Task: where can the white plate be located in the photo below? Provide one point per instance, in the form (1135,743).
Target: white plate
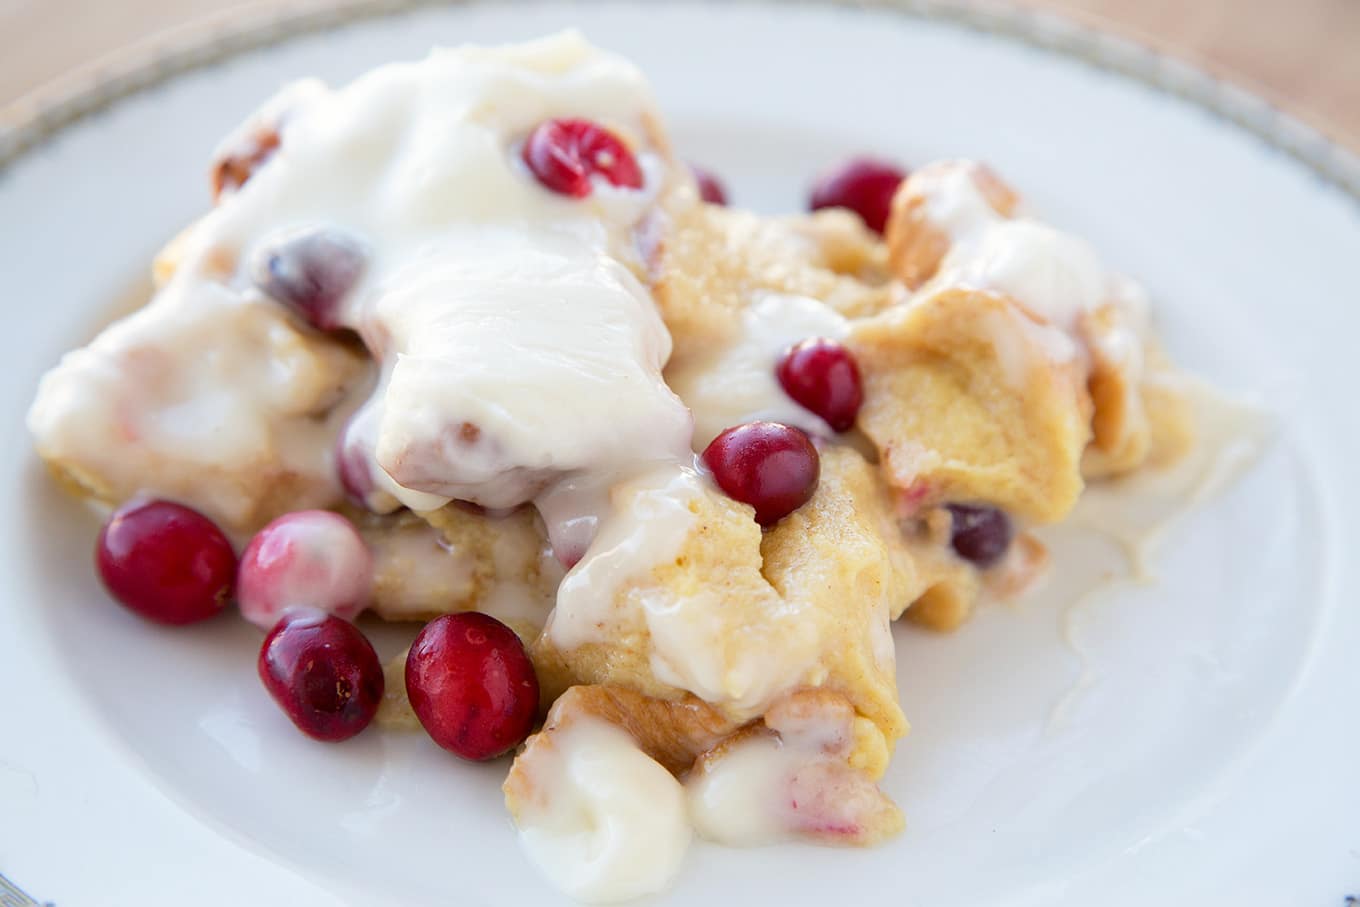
(1208,754)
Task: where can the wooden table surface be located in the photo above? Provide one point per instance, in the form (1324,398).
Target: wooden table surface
(1304,55)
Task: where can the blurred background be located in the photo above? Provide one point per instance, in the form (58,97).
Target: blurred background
(1303,55)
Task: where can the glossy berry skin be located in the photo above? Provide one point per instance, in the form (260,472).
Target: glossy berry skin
(980,534)
(323,673)
(864,185)
(472,685)
(312,558)
(166,562)
(711,188)
(770,466)
(566,154)
(821,375)
(310,271)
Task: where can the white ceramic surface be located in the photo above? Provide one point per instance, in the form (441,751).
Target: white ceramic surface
(1194,741)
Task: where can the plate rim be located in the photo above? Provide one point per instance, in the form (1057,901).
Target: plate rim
(39,116)
(97,129)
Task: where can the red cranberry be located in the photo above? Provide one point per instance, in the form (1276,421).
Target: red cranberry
(821,375)
(770,466)
(980,534)
(711,188)
(323,673)
(472,685)
(864,185)
(314,558)
(166,562)
(566,154)
(310,271)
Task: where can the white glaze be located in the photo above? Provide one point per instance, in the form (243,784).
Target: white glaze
(737,801)
(1135,512)
(736,383)
(648,520)
(695,645)
(488,300)
(206,396)
(792,780)
(1056,276)
(1230,435)
(610,823)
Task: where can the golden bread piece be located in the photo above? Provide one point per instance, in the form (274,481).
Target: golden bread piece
(1114,339)
(233,432)
(460,559)
(840,242)
(806,604)
(917,243)
(834,756)
(713,261)
(965,402)
(673,732)
(1142,418)
(1120,430)
(828,791)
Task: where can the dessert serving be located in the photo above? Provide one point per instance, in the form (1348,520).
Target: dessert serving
(466,345)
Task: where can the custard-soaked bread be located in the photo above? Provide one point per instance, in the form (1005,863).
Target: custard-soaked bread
(966,401)
(1142,418)
(458,559)
(739,617)
(712,262)
(821,759)
(917,233)
(674,732)
(949,227)
(206,396)
(1120,430)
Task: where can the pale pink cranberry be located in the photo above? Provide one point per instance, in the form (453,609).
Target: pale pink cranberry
(166,562)
(864,185)
(821,375)
(312,558)
(311,271)
(711,188)
(567,154)
(770,466)
(472,685)
(323,673)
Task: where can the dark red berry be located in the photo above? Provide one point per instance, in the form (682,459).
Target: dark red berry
(980,534)
(864,185)
(711,188)
(166,562)
(472,685)
(821,375)
(323,673)
(310,271)
(770,466)
(565,154)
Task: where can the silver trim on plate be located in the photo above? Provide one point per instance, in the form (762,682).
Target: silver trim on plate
(124,76)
